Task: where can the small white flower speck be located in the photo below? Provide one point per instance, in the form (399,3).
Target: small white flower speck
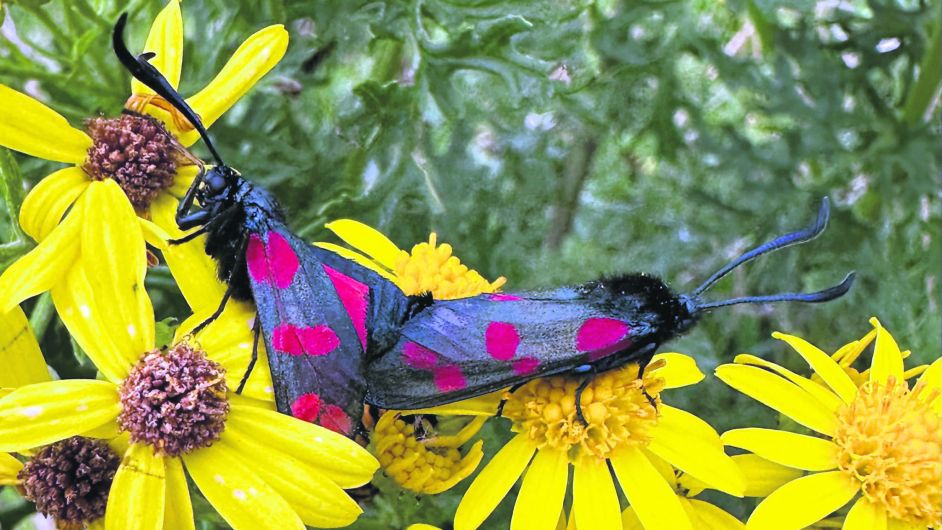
(85,310)
(132,331)
(81,408)
(239,494)
(318,439)
(32,411)
(219,479)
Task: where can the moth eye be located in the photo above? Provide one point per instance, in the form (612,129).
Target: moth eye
(215,182)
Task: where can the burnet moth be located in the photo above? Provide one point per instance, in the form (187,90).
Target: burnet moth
(318,312)
(338,334)
(457,349)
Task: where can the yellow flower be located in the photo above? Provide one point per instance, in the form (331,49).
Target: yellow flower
(624,430)
(427,462)
(879,441)
(258,468)
(64,212)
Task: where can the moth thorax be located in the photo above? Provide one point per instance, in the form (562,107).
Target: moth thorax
(136,152)
(175,401)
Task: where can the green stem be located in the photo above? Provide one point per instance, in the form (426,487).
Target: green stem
(11,190)
(924,90)
(41,316)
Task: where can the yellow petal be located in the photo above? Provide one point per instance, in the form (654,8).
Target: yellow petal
(764,477)
(542,492)
(931,379)
(898,524)
(338,457)
(116,244)
(681,370)
(653,499)
(630,521)
(779,394)
(42,267)
(254,58)
(46,203)
(469,462)
(804,501)
(20,357)
(865,515)
(228,340)
(786,448)
(240,496)
(887,359)
(828,399)
(594,500)
(106,342)
(493,483)
(485,405)
(178,514)
(42,413)
(691,445)
(154,235)
(182,180)
(823,365)
(9,468)
(367,240)
(711,517)
(360,259)
(193,270)
(166,40)
(28,126)
(138,493)
(317,500)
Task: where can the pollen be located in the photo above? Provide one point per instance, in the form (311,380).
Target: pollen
(421,460)
(174,401)
(431,267)
(70,480)
(137,152)
(890,440)
(616,406)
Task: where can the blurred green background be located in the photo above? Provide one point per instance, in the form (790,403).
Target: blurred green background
(554,142)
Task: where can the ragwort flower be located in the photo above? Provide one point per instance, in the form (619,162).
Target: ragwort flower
(138,154)
(878,440)
(427,461)
(258,468)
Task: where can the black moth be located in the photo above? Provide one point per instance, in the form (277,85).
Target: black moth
(338,334)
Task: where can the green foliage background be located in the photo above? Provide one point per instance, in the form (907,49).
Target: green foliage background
(554,142)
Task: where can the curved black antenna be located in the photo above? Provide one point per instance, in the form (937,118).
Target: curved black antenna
(826,295)
(143,71)
(794,238)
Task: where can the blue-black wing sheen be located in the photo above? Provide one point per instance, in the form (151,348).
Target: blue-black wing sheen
(458,349)
(315,310)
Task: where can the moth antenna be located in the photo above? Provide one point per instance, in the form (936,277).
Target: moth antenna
(143,71)
(825,295)
(794,238)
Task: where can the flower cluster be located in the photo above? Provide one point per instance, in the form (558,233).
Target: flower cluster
(862,448)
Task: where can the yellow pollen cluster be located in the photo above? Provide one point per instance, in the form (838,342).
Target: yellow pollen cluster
(431,268)
(890,440)
(614,404)
(426,464)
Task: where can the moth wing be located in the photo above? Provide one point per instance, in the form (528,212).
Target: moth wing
(314,321)
(463,348)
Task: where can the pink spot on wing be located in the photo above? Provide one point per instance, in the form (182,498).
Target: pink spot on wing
(354,296)
(449,378)
(307,407)
(318,340)
(284,338)
(282,260)
(256,260)
(335,419)
(418,356)
(602,336)
(526,365)
(501,340)
(501,297)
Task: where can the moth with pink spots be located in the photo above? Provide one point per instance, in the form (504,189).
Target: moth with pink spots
(338,334)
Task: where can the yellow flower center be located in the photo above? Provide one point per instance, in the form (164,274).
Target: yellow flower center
(432,268)
(890,440)
(616,410)
(419,460)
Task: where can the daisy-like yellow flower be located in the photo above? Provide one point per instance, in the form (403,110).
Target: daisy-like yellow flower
(64,211)
(878,440)
(624,430)
(258,468)
(427,461)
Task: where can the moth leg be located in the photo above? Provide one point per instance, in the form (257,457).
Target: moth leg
(642,364)
(240,261)
(511,390)
(581,388)
(212,221)
(256,332)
